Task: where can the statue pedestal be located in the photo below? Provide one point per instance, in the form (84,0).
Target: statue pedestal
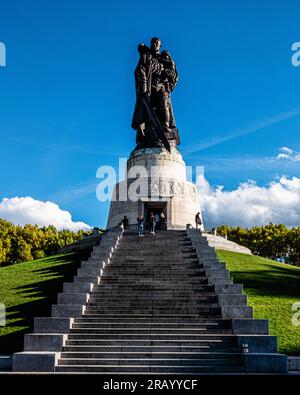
(155,182)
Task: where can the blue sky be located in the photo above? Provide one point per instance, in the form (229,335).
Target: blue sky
(67,92)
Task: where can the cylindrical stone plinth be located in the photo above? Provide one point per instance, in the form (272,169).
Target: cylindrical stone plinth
(155,182)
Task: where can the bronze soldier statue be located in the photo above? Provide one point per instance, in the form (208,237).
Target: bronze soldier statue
(155,77)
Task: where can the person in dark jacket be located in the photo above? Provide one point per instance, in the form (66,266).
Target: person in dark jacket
(124,222)
(152,223)
(163,221)
(198,220)
(140,221)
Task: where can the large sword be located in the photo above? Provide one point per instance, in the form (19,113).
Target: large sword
(158,130)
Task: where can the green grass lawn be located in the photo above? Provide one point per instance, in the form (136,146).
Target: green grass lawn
(28,290)
(272,288)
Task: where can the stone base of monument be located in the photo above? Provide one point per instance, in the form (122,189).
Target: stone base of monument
(155,182)
(221,243)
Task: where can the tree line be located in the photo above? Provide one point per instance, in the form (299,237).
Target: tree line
(24,243)
(271,241)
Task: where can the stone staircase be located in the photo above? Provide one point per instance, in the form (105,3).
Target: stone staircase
(163,304)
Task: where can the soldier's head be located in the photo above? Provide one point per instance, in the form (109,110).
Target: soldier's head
(165,54)
(155,44)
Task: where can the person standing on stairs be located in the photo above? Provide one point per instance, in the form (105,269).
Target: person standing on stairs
(124,222)
(140,221)
(152,223)
(163,221)
(198,220)
(157,221)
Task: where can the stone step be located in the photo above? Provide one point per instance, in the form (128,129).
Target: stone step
(138,282)
(120,293)
(154,271)
(160,245)
(150,306)
(87,279)
(182,272)
(212,301)
(199,354)
(205,314)
(165,247)
(166,283)
(205,331)
(154,283)
(78,287)
(134,304)
(171,280)
(147,267)
(163,317)
(103,349)
(160,237)
(135,253)
(185,289)
(120,262)
(153,254)
(184,267)
(149,369)
(181,269)
(172,253)
(180,361)
(130,317)
(87,330)
(211,261)
(156,312)
(150,342)
(176,261)
(95,299)
(130,324)
(164,278)
(151,287)
(90,325)
(152,335)
(150,238)
(173,321)
(152,259)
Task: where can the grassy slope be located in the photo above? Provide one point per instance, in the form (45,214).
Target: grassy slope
(28,290)
(272,288)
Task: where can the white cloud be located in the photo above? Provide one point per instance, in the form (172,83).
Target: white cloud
(26,210)
(288,154)
(250,204)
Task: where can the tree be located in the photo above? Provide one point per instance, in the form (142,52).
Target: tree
(19,244)
(274,241)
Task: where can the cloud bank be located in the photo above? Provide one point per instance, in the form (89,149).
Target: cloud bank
(26,210)
(288,154)
(250,204)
